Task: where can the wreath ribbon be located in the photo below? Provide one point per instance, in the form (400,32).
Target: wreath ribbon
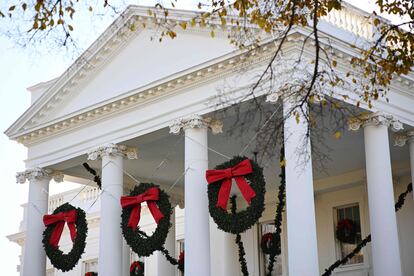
(60,219)
(135,265)
(150,196)
(237,172)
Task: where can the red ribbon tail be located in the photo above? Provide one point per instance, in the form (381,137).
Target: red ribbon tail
(247,191)
(135,217)
(155,212)
(72,230)
(224,194)
(56,234)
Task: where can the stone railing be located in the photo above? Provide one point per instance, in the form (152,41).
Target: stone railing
(55,201)
(89,194)
(351,20)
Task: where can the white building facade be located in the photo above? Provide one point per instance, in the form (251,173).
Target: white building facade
(141,111)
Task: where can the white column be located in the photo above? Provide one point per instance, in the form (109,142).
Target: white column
(197,226)
(110,237)
(411,145)
(300,205)
(34,259)
(126,258)
(164,268)
(385,245)
(224,256)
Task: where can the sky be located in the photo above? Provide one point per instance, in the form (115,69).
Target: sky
(21,68)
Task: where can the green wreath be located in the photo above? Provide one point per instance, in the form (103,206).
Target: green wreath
(139,242)
(60,260)
(245,219)
(270,243)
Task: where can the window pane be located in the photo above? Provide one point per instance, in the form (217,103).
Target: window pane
(277,269)
(351,213)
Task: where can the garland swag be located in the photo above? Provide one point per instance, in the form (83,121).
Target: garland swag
(167,255)
(364,242)
(96,177)
(249,177)
(272,247)
(76,220)
(239,242)
(136,269)
(160,208)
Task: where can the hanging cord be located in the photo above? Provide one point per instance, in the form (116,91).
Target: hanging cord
(364,242)
(276,241)
(239,242)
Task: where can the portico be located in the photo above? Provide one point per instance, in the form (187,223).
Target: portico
(168,127)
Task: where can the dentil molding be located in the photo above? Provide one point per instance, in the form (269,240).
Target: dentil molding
(196,121)
(114,150)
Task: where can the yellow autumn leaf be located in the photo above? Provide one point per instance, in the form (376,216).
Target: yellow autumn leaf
(337,134)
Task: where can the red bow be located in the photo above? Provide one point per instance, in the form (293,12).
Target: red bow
(237,172)
(134,265)
(150,196)
(59,219)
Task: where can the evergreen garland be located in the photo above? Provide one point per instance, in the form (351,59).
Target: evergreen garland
(96,177)
(276,244)
(363,243)
(60,260)
(239,242)
(166,253)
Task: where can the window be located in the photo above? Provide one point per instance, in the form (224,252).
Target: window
(264,259)
(349,212)
(90,265)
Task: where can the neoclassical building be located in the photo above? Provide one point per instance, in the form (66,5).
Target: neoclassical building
(142,111)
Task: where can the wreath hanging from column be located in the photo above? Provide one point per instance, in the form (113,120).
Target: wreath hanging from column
(160,207)
(91,274)
(249,178)
(75,218)
(136,269)
(181,261)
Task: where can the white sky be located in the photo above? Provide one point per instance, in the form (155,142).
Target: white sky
(19,69)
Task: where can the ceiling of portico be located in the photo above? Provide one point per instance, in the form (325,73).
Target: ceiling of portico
(161,155)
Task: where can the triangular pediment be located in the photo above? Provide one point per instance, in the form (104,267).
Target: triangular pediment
(119,62)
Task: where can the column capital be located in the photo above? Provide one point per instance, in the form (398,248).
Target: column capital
(114,150)
(196,121)
(377,119)
(37,174)
(400,139)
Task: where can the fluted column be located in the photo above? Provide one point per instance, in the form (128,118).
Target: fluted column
(407,138)
(34,257)
(385,245)
(197,233)
(110,237)
(300,204)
